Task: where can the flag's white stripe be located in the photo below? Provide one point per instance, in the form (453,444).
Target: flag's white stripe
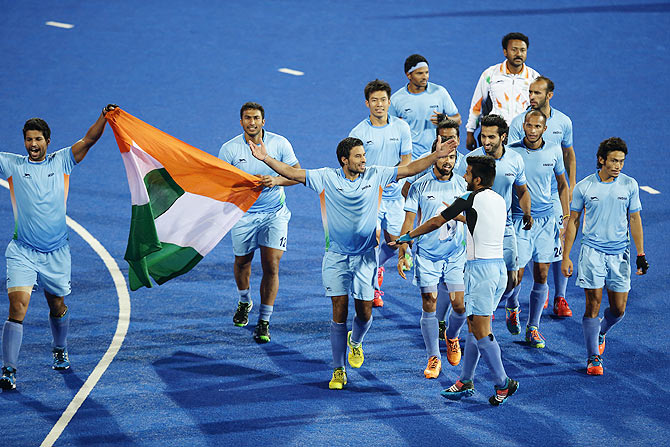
(60,24)
(197,221)
(649,189)
(138,163)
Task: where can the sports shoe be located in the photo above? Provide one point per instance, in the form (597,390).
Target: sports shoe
(534,338)
(601,343)
(61,359)
(502,393)
(339,379)
(459,390)
(241,317)
(594,366)
(561,308)
(453,351)
(377,301)
(8,379)
(442,331)
(434,368)
(356,356)
(512,319)
(380,275)
(262,331)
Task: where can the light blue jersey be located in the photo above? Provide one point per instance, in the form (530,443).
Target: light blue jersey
(510,171)
(237,153)
(417,108)
(432,196)
(606,207)
(385,146)
(541,165)
(349,208)
(559,131)
(39,195)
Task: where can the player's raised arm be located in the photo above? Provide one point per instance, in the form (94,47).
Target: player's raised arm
(290,172)
(444,148)
(81,147)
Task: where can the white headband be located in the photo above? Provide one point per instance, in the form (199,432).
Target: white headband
(417,66)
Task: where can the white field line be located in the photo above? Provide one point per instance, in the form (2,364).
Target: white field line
(649,189)
(60,25)
(291,71)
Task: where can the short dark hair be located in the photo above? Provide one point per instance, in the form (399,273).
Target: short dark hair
(535,112)
(447,124)
(549,83)
(610,145)
(345,146)
(514,36)
(413,60)
(37,124)
(484,167)
(495,120)
(252,106)
(377,86)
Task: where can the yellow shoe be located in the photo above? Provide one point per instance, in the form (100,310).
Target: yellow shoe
(356,356)
(434,368)
(453,351)
(339,379)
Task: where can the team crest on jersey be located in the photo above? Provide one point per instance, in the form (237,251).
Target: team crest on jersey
(394,139)
(434,106)
(622,198)
(547,164)
(509,174)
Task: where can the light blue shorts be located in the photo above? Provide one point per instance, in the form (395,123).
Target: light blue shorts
(485,282)
(598,269)
(351,275)
(538,242)
(391,215)
(429,274)
(558,244)
(27,267)
(509,249)
(256,230)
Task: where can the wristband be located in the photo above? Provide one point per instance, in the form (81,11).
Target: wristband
(567,216)
(404,238)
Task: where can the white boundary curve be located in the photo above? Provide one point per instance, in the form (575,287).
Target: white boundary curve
(117,340)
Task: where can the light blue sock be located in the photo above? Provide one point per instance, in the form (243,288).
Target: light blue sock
(359,329)
(609,321)
(244,296)
(12,335)
(538,296)
(456,322)
(591,327)
(490,350)
(265,312)
(512,297)
(560,281)
(470,358)
(59,328)
(385,253)
(338,343)
(443,303)
(429,330)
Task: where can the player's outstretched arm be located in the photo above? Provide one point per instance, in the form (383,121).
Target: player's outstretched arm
(571,228)
(638,239)
(443,149)
(81,147)
(270,181)
(289,172)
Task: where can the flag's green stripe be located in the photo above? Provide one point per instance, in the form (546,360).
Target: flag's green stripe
(162,189)
(171,261)
(142,241)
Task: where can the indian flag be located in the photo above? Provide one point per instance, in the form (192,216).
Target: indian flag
(184,200)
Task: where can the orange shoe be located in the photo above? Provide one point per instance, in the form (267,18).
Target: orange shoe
(380,275)
(594,366)
(453,351)
(377,301)
(561,308)
(546,302)
(434,368)
(601,343)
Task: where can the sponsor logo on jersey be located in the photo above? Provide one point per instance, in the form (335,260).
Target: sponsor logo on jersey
(557,132)
(435,106)
(366,187)
(50,174)
(242,160)
(368,142)
(408,110)
(547,164)
(394,139)
(594,198)
(509,174)
(26,175)
(430,197)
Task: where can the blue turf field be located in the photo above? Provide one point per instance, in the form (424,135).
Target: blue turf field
(184,375)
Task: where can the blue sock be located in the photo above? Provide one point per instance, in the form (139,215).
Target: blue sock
(512,297)
(560,281)
(490,349)
(265,312)
(591,327)
(456,322)
(443,303)
(385,253)
(470,358)
(538,296)
(244,296)
(338,343)
(59,327)
(359,329)
(12,335)
(429,330)
(609,320)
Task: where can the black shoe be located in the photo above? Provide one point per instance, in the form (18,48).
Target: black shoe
(8,379)
(61,359)
(241,317)
(262,332)
(442,332)
(502,393)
